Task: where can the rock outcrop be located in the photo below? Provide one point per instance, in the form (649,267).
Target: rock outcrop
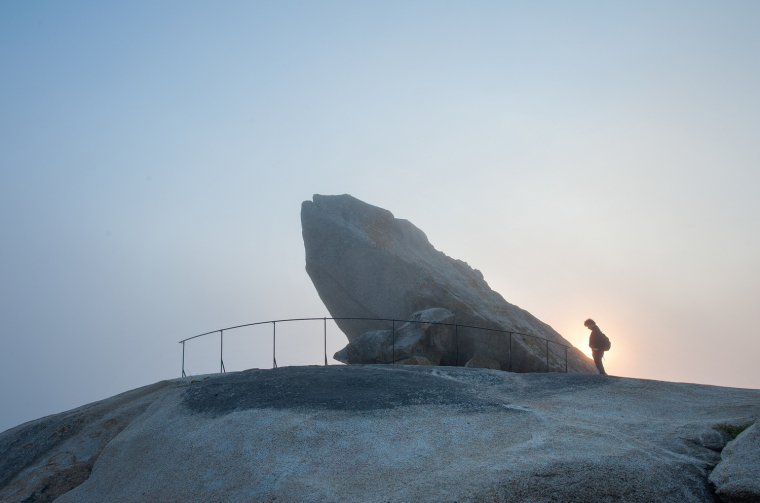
(43,459)
(422,339)
(380,433)
(478,362)
(737,476)
(365,263)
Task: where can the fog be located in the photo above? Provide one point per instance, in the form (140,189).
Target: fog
(595,160)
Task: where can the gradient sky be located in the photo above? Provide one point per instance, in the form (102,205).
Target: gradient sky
(592,159)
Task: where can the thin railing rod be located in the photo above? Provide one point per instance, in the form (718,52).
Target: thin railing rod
(274,344)
(393,338)
(456,337)
(263,323)
(442,323)
(375,319)
(221,351)
(565,360)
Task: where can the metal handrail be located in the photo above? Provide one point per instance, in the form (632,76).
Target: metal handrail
(393,336)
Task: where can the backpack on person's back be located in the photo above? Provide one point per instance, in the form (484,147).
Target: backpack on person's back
(604,342)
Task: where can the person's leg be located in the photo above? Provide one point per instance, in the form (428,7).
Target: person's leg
(598,361)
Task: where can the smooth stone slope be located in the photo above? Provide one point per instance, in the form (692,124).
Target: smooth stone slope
(365,263)
(42,459)
(388,434)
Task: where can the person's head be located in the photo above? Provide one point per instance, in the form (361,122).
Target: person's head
(589,323)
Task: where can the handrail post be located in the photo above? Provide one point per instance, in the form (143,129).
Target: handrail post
(565,359)
(393,337)
(274,344)
(456,337)
(222,368)
(221,351)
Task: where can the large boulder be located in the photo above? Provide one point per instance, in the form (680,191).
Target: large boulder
(478,362)
(365,263)
(737,476)
(428,334)
(381,433)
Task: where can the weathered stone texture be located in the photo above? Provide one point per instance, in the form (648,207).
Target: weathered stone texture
(43,459)
(478,362)
(421,337)
(737,476)
(384,433)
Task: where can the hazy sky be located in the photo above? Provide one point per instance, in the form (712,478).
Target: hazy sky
(592,159)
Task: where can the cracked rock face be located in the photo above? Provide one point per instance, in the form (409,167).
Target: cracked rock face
(381,433)
(737,476)
(365,263)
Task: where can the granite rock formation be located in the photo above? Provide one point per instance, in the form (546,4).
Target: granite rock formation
(419,338)
(478,362)
(737,476)
(45,458)
(365,263)
(381,433)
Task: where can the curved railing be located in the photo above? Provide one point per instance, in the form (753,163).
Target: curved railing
(393,332)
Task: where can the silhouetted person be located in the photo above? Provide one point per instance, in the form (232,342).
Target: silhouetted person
(598,342)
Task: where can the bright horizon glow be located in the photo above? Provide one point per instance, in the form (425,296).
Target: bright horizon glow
(592,160)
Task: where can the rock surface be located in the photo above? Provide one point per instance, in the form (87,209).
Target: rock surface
(737,476)
(478,362)
(420,338)
(384,433)
(42,459)
(414,360)
(365,263)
